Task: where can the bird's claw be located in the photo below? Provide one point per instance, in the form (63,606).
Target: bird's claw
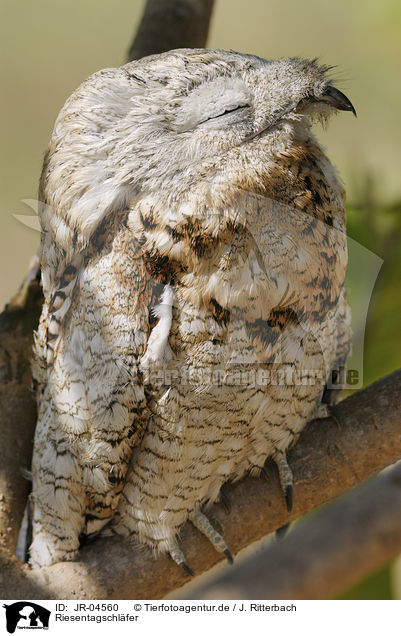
(334,415)
(225,502)
(286,478)
(229,556)
(202,523)
(184,565)
(289,494)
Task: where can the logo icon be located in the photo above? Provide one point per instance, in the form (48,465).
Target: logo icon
(26,615)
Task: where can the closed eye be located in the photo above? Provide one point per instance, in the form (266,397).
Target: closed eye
(230,110)
(227,111)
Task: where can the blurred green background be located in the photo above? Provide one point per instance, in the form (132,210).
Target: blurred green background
(50,46)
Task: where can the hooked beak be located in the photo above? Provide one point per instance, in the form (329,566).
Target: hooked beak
(337,99)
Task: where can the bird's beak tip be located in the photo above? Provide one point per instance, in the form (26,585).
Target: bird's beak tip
(337,99)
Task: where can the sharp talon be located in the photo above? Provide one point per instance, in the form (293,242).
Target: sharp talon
(264,473)
(225,502)
(229,556)
(178,556)
(286,478)
(27,474)
(288,498)
(281,532)
(334,415)
(203,524)
(186,568)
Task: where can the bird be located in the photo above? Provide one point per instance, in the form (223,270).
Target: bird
(193,256)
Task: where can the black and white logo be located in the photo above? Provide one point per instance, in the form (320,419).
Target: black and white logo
(26,615)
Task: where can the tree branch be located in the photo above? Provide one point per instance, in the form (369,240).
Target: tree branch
(325,553)
(327,461)
(17,402)
(171,24)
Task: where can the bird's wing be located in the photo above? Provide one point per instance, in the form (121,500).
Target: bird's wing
(79,186)
(92,404)
(337,378)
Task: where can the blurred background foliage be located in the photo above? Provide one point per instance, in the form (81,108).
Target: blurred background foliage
(50,46)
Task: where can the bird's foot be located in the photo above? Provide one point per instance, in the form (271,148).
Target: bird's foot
(324,411)
(202,523)
(178,556)
(286,478)
(321,412)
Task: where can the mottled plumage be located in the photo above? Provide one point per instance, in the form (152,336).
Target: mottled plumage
(193,258)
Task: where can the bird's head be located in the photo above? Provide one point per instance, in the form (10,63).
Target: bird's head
(168,122)
(244,96)
(195,111)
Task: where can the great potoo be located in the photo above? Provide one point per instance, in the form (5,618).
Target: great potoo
(193,257)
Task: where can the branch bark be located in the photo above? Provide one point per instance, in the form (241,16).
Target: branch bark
(327,461)
(327,552)
(171,24)
(17,402)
